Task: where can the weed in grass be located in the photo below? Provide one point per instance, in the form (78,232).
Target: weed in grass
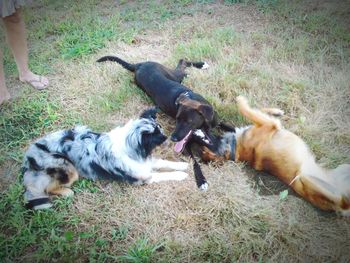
(120,233)
(85,185)
(141,251)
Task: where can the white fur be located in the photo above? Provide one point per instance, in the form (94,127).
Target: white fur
(167,176)
(204,187)
(205,66)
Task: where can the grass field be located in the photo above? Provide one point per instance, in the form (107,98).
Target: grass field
(289,54)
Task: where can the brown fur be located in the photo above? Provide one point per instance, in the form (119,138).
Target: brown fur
(267,146)
(60,186)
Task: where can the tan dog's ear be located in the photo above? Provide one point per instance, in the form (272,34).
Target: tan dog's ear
(207,112)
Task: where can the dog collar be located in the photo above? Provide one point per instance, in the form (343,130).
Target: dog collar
(233,148)
(187,93)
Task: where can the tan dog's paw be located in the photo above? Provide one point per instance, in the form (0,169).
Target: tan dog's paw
(278,112)
(273,111)
(241,100)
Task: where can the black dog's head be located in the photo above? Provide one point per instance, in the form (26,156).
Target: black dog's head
(191,116)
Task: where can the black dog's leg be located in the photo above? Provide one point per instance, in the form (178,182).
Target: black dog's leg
(182,65)
(180,71)
(198,174)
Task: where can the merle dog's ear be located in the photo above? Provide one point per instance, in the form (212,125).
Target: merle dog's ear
(208,113)
(150,113)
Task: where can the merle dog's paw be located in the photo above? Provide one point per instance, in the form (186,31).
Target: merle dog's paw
(181,166)
(180,176)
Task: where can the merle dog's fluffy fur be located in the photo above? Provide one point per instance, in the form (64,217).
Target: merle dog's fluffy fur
(53,163)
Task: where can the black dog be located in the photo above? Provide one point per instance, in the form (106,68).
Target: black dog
(191,111)
(164,87)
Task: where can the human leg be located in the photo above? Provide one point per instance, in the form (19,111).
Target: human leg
(4,94)
(17,39)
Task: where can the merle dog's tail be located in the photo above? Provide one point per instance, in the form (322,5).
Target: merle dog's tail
(126,65)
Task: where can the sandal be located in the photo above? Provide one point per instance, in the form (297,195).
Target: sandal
(38,83)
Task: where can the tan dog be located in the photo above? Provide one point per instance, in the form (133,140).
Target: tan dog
(266,146)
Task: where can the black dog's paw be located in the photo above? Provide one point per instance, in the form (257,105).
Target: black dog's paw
(204,187)
(150,113)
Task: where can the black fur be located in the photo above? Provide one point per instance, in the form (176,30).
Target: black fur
(33,164)
(42,147)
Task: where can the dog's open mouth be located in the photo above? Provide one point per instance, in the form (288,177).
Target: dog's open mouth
(180,146)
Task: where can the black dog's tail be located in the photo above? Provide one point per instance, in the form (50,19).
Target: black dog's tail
(126,65)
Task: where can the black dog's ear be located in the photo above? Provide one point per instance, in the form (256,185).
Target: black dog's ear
(150,113)
(208,113)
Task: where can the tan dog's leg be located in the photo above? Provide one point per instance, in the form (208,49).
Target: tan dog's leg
(257,117)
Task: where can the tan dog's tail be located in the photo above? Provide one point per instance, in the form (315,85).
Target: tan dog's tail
(258,117)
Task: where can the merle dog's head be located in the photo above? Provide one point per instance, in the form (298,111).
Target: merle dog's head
(192,115)
(148,133)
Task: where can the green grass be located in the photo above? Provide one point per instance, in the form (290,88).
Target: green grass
(115,99)
(204,46)
(27,118)
(76,42)
(141,252)
(21,228)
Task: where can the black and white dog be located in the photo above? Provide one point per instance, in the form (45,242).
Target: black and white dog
(54,162)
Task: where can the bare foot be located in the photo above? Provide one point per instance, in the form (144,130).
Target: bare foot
(5,96)
(36,81)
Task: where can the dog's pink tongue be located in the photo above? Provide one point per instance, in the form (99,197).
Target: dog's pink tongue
(179,146)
